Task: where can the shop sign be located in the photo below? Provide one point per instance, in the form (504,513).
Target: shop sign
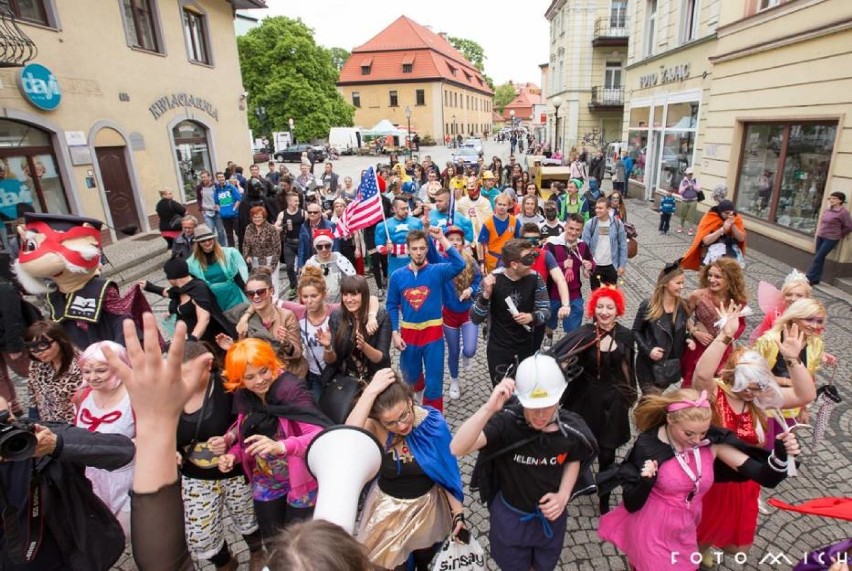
(182,100)
(39,87)
(666,75)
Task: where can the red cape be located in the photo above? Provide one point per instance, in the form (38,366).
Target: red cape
(710,222)
(840,508)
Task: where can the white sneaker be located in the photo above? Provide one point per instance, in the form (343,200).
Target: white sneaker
(762,506)
(465,364)
(454,389)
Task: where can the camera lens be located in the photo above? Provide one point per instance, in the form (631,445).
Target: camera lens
(17,442)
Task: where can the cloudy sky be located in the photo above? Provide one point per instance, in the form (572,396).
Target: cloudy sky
(515,40)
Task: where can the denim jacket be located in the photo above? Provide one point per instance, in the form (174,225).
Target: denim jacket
(617,239)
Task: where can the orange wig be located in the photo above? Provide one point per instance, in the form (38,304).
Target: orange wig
(611,292)
(249,352)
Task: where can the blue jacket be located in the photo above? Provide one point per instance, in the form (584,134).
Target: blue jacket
(226,197)
(617,239)
(440,219)
(451,296)
(398,230)
(668,204)
(306,240)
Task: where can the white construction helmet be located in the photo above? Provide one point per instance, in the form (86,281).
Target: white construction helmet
(539,382)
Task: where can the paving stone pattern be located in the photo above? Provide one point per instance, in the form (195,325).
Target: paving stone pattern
(824,471)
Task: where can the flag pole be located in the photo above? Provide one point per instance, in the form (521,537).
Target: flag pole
(381,202)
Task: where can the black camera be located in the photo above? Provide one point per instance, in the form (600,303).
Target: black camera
(17,438)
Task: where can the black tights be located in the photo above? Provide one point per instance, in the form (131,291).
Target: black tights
(254,541)
(379,265)
(273,516)
(606,458)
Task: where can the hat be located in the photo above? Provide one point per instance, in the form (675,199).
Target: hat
(454,230)
(726,206)
(539,382)
(488,175)
(176,268)
(202,232)
(323,236)
(577,182)
(689,170)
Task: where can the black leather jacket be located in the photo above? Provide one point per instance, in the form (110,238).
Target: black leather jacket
(657,333)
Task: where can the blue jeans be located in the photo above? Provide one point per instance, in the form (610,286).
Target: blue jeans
(214,222)
(824,246)
(570,323)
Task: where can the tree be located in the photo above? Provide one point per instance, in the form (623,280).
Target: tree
(473,53)
(289,75)
(503,95)
(338,57)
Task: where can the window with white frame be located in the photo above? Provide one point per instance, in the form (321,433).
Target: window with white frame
(141,25)
(766,4)
(196,33)
(689,21)
(618,14)
(650,26)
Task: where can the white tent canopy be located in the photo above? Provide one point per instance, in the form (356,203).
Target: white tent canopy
(384,128)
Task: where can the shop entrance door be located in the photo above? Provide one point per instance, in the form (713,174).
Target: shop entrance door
(652,168)
(118,191)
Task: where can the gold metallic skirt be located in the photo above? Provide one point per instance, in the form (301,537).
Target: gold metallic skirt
(391,528)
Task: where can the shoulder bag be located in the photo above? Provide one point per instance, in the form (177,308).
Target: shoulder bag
(667,371)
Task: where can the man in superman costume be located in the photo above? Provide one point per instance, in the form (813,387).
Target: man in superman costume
(415,291)
(60,257)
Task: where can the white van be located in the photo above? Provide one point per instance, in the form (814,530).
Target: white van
(613,151)
(345,140)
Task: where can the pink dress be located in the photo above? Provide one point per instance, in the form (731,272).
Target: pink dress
(662,535)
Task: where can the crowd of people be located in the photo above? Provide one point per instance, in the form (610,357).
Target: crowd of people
(259,366)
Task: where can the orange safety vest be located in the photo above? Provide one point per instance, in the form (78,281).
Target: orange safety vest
(494,247)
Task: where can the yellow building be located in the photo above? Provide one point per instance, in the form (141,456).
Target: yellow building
(407,66)
(124,98)
(755,96)
(779,110)
(667,85)
(588,51)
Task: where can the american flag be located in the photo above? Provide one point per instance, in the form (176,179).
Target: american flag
(365,210)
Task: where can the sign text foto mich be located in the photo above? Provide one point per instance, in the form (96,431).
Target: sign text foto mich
(178,100)
(667,75)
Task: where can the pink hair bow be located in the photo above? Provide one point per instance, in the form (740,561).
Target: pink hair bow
(700,402)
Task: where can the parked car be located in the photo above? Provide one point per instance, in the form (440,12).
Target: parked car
(293,153)
(260,156)
(469,155)
(473,143)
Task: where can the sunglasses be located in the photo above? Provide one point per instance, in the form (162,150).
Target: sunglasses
(39,346)
(529,259)
(323,246)
(532,239)
(253,293)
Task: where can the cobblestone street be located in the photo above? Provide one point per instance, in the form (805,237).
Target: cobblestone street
(824,471)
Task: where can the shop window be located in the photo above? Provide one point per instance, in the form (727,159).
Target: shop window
(193,154)
(420,97)
(141,25)
(681,115)
(394,99)
(34,11)
(783,170)
(195,33)
(675,157)
(356,99)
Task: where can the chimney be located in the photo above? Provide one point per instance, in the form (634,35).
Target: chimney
(443,35)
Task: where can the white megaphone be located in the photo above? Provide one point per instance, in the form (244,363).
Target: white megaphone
(342,459)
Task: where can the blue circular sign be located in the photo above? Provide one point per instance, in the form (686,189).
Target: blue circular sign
(40,87)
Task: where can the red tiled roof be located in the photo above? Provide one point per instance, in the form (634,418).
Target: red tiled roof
(406,42)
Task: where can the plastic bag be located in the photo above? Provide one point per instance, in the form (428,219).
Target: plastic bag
(458,556)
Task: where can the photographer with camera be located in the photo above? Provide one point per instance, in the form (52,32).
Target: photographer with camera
(51,517)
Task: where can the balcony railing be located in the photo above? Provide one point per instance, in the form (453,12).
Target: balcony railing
(610,32)
(607,97)
(16,48)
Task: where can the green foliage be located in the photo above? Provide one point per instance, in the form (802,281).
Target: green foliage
(503,95)
(289,75)
(338,57)
(472,51)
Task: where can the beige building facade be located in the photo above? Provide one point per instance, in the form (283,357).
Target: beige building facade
(754,95)
(125,98)
(588,52)
(437,107)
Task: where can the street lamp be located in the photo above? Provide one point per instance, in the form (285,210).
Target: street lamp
(290,122)
(556,101)
(408,118)
(512,115)
(454,131)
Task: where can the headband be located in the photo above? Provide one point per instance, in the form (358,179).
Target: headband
(700,402)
